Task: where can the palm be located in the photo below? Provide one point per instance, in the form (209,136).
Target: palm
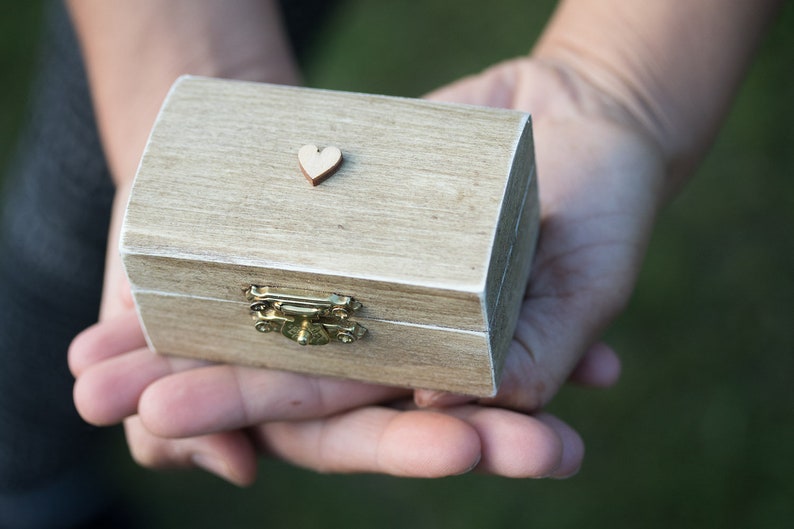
(598,193)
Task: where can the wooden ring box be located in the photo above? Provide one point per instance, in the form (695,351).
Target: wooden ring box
(428,226)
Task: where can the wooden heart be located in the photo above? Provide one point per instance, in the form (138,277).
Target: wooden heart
(318,165)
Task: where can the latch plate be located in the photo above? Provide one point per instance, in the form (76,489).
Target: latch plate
(304,317)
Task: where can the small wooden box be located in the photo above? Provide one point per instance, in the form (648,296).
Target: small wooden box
(429,224)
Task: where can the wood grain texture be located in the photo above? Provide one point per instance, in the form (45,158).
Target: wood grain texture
(513,250)
(430,222)
(390,353)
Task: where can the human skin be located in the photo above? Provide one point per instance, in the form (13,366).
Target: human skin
(625,97)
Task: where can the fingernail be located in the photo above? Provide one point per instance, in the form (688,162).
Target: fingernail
(472,467)
(440,399)
(566,475)
(212,465)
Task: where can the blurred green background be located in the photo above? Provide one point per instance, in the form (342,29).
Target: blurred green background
(700,430)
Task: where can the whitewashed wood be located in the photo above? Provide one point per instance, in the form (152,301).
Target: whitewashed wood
(430,222)
(417,360)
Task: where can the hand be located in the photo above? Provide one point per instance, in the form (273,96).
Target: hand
(220,417)
(600,183)
(602,176)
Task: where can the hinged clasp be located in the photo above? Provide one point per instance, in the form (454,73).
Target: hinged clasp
(305,317)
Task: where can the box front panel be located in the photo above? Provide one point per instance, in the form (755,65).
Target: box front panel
(381,301)
(390,353)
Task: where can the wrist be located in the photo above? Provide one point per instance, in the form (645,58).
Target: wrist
(565,104)
(594,90)
(671,69)
(135,51)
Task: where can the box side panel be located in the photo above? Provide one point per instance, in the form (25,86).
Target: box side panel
(393,354)
(505,316)
(514,246)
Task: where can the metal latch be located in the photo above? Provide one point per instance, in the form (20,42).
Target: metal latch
(304,317)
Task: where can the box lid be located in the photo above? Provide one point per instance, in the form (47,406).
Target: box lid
(417,223)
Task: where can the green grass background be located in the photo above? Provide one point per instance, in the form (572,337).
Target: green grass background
(699,432)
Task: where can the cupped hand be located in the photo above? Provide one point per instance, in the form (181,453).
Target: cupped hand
(600,184)
(596,184)
(182,413)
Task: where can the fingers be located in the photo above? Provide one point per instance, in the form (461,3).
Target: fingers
(494,88)
(572,447)
(599,367)
(423,443)
(118,376)
(384,440)
(414,443)
(430,398)
(177,397)
(229,455)
(113,366)
(538,361)
(523,446)
(224,397)
(552,337)
(108,392)
(104,340)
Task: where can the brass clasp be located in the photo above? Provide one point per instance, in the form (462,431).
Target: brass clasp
(304,317)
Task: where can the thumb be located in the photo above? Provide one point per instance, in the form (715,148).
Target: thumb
(556,338)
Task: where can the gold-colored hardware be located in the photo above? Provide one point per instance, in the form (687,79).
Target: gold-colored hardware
(304,317)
